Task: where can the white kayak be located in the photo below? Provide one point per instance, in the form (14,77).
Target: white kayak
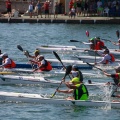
(112,51)
(91,59)
(53,72)
(41,99)
(59,49)
(34,80)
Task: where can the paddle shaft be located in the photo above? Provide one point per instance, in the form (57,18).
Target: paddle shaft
(21,49)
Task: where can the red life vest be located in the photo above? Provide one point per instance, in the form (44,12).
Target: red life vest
(47,66)
(112,59)
(12,65)
(99,45)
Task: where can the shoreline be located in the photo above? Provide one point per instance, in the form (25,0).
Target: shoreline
(62,19)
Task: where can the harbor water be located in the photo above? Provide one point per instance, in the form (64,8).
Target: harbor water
(30,36)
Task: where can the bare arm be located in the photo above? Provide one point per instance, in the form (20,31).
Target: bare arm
(105,73)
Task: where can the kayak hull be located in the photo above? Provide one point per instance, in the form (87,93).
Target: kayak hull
(39,99)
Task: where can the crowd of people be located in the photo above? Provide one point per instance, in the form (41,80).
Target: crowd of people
(76,8)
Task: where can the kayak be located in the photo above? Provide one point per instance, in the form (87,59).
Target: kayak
(41,99)
(60,49)
(30,71)
(34,80)
(112,51)
(56,64)
(91,59)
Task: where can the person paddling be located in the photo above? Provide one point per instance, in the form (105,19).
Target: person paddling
(115,76)
(43,65)
(76,74)
(36,54)
(78,89)
(7,62)
(107,57)
(97,43)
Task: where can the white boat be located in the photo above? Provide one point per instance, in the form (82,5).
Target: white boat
(34,80)
(59,49)
(41,99)
(112,51)
(53,72)
(91,59)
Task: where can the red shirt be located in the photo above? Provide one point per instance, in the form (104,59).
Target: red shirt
(8,4)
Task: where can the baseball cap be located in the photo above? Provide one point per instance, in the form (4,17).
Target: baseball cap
(4,54)
(74,67)
(37,51)
(75,80)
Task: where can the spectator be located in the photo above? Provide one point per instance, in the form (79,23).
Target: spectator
(38,8)
(70,5)
(46,8)
(56,10)
(8,6)
(30,9)
(78,9)
(72,12)
(50,8)
(85,8)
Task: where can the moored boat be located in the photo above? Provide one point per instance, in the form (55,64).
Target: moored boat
(40,99)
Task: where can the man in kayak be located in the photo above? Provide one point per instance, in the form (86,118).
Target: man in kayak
(43,65)
(117,44)
(107,57)
(7,62)
(36,53)
(97,44)
(115,76)
(76,74)
(78,89)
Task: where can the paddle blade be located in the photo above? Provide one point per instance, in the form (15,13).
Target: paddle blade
(74,41)
(68,70)
(26,53)
(20,48)
(117,33)
(87,33)
(56,55)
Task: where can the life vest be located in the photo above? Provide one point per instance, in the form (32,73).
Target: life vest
(12,65)
(81,93)
(111,60)
(99,45)
(117,78)
(47,66)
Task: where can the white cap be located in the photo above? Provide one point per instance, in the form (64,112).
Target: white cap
(4,54)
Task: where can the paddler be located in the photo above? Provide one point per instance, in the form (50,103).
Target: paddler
(36,53)
(78,89)
(116,76)
(43,65)
(76,74)
(117,44)
(107,57)
(7,62)
(97,44)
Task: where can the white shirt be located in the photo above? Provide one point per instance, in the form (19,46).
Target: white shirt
(106,57)
(7,61)
(74,73)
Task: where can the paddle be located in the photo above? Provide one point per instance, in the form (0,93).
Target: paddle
(86,43)
(25,52)
(56,55)
(118,35)
(87,33)
(68,70)
(21,49)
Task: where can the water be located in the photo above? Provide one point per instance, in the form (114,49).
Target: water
(30,36)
